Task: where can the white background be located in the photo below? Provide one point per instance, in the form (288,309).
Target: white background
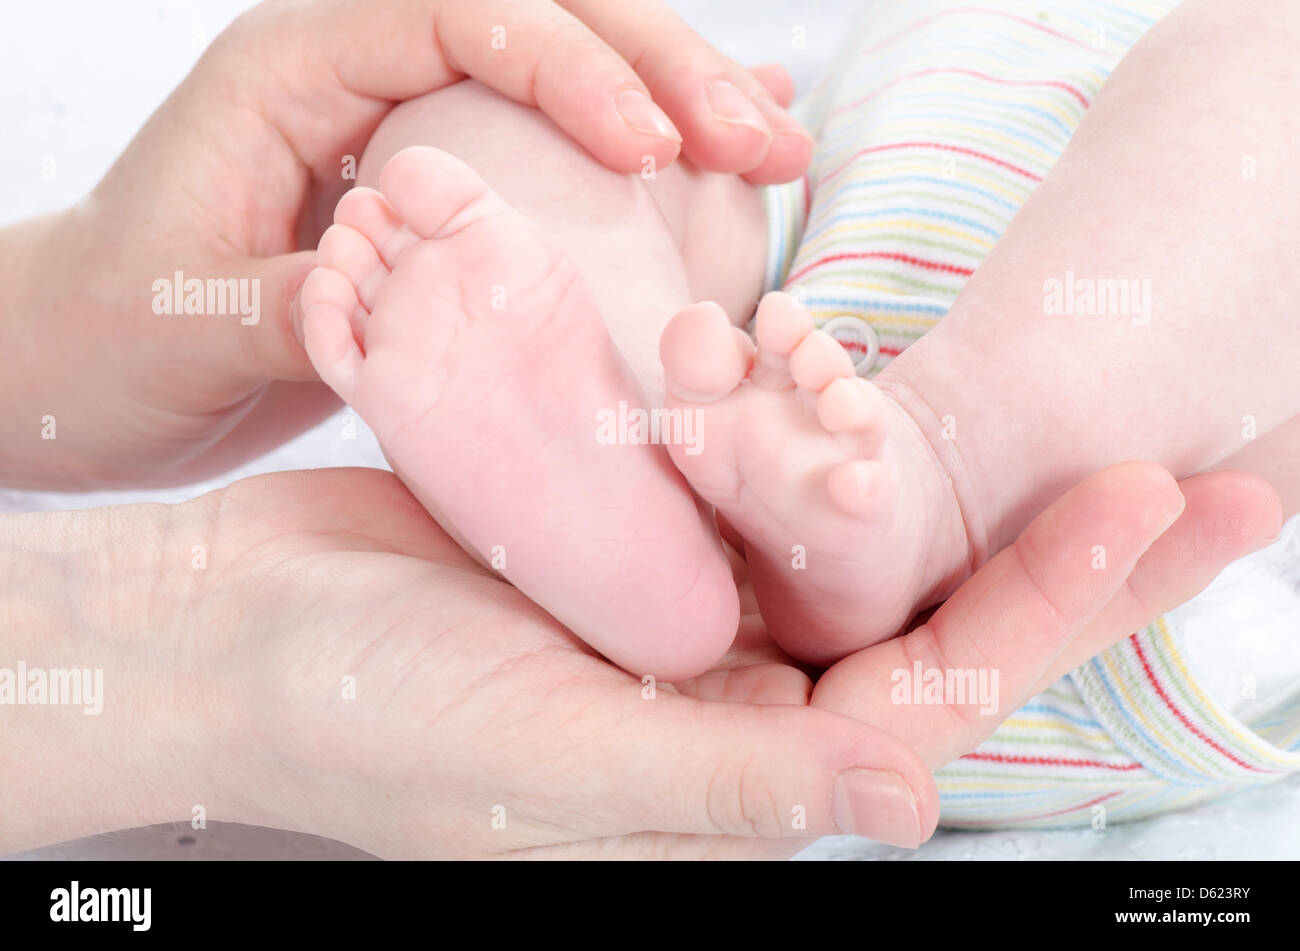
(79,77)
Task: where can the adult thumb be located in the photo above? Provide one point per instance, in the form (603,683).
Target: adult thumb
(711,768)
(267,346)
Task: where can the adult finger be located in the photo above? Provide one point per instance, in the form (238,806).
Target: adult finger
(778,82)
(730,119)
(1228,516)
(341,65)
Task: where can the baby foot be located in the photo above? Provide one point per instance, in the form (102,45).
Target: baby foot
(849,519)
(470,345)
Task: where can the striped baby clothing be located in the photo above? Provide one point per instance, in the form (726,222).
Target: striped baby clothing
(939,119)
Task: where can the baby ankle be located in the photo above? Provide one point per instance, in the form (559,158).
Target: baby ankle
(939,434)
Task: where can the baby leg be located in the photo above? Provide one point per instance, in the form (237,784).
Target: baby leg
(1043,378)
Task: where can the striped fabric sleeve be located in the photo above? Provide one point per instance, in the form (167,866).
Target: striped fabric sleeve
(1128,735)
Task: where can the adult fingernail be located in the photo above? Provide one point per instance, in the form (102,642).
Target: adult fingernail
(729,104)
(642,115)
(876,805)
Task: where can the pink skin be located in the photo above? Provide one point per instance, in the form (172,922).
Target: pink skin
(847,521)
(471,346)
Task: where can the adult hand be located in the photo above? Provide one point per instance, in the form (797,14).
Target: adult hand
(242,166)
(310,651)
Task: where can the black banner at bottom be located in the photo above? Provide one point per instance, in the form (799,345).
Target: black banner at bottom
(141,900)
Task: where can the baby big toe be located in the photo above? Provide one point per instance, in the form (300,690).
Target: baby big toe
(704,356)
(435,193)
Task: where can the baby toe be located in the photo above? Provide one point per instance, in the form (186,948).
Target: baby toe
(704,356)
(369,213)
(781,324)
(329,304)
(435,193)
(861,488)
(346,250)
(854,406)
(818,360)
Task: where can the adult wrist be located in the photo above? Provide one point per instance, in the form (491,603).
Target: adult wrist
(96,734)
(40,272)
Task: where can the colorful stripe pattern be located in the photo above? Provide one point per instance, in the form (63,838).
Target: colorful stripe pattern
(942,118)
(1129,734)
(939,122)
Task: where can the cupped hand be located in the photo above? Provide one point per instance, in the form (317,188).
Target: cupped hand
(241,167)
(399,697)
(310,651)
